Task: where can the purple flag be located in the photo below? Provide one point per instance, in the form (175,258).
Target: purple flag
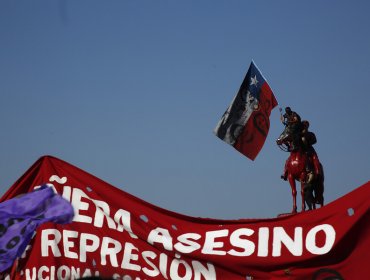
(20,217)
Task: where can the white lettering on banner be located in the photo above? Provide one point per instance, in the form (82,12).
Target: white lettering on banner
(329,240)
(121,221)
(85,247)
(160,235)
(112,252)
(263,237)
(293,245)
(68,244)
(80,202)
(129,256)
(210,244)
(214,241)
(175,268)
(52,243)
(67,193)
(79,205)
(262,242)
(132,259)
(201,271)
(103,211)
(186,243)
(61,273)
(238,242)
(163,259)
(40,274)
(57,179)
(148,256)
(28,275)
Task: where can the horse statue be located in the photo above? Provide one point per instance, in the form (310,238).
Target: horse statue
(304,166)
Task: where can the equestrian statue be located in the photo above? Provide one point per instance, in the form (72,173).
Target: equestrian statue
(303,164)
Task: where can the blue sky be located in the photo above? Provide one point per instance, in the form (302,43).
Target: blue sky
(131,91)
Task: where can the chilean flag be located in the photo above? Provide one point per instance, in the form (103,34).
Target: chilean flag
(246,122)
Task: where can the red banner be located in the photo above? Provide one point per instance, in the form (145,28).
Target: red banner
(115,234)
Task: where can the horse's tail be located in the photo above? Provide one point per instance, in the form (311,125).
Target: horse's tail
(322,173)
(319,187)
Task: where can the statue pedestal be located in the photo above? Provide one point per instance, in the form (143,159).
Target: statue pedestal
(285,214)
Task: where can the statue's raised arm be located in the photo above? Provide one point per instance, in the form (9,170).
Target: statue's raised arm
(291,134)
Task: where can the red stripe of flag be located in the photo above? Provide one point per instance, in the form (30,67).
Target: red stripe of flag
(254,134)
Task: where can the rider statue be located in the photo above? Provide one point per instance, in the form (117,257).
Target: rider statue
(308,139)
(300,137)
(303,164)
(292,122)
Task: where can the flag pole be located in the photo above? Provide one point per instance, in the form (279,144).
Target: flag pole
(281,114)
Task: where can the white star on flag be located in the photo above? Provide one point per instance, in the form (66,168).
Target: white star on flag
(254,80)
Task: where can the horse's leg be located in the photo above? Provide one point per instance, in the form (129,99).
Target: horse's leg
(285,172)
(308,198)
(303,196)
(320,192)
(294,192)
(316,164)
(321,186)
(303,182)
(314,192)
